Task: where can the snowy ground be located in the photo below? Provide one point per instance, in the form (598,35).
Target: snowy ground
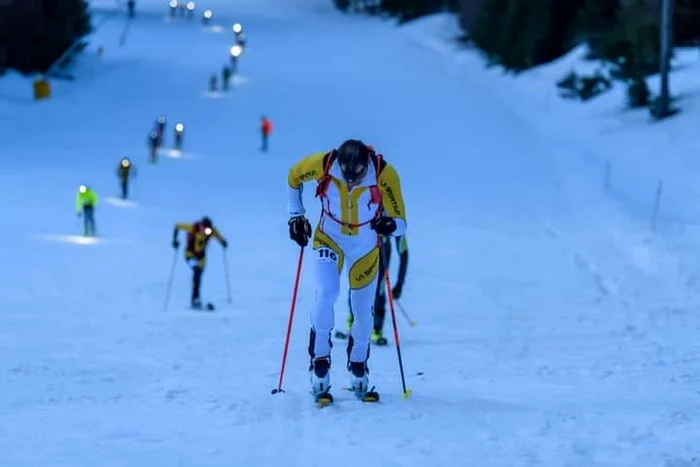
(553,329)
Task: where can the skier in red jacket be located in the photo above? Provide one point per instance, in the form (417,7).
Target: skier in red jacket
(265,131)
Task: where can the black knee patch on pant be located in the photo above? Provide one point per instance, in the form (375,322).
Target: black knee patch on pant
(351,344)
(312,346)
(196,281)
(358,369)
(321,367)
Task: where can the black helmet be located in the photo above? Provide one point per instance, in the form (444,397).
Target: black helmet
(353,159)
(206,222)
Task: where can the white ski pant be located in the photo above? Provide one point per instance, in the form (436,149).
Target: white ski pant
(358,259)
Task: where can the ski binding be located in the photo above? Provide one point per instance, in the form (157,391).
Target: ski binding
(324,398)
(365,396)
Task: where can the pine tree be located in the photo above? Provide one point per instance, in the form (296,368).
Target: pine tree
(514,46)
(634,42)
(488,25)
(38,32)
(393,7)
(406,10)
(561,28)
(519,34)
(468,12)
(596,20)
(342,5)
(687,22)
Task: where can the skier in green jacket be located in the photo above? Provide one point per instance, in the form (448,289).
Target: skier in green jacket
(85,203)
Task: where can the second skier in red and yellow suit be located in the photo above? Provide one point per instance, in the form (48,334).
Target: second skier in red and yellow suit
(361,199)
(198,235)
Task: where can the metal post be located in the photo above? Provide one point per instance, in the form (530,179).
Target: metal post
(657,203)
(666,49)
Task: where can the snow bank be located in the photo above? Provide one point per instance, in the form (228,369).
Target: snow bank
(636,151)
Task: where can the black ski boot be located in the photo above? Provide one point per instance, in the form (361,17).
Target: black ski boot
(359,382)
(321,380)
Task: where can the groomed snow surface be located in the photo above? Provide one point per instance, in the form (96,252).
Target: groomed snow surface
(554,327)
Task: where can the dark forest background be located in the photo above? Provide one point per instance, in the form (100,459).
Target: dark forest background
(622,35)
(519,34)
(34,34)
(515,34)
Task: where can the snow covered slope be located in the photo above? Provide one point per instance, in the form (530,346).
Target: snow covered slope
(544,333)
(638,153)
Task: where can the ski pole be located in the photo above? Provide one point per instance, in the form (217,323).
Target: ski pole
(170,282)
(401,309)
(278,389)
(125,32)
(387,281)
(226,277)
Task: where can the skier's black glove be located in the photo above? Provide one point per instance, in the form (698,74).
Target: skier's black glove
(396,291)
(224,243)
(300,230)
(176,244)
(383,225)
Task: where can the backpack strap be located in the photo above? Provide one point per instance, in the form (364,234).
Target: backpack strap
(322,186)
(375,192)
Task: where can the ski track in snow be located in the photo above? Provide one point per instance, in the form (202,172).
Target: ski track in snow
(552,330)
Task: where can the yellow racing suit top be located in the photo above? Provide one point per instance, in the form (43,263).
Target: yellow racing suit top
(197,238)
(347,212)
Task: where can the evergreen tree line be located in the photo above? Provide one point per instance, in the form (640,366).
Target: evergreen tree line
(519,34)
(36,33)
(403,10)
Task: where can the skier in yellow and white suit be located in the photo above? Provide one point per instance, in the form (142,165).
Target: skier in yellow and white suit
(361,199)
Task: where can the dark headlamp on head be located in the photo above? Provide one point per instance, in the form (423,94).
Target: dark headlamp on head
(353,172)
(353,159)
(208,226)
